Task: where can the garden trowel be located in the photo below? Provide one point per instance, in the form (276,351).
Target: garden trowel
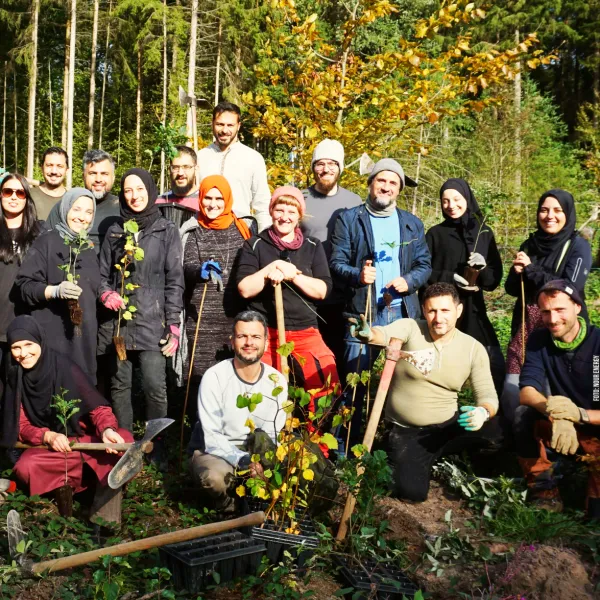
(131,463)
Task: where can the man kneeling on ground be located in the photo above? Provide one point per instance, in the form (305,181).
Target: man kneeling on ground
(219,440)
(422,404)
(565,356)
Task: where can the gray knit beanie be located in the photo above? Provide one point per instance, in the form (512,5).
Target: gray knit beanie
(389,164)
(331,150)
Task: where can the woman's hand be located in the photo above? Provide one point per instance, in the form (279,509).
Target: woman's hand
(57,441)
(110,436)
(288,269)
(275,276)
(522,259)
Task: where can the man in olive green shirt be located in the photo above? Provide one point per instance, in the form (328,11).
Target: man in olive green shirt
(422,405)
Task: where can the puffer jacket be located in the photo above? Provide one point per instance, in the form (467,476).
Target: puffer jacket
(353,244)
(158,300)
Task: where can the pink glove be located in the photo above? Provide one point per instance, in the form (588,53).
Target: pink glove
(112,300)
(170,340)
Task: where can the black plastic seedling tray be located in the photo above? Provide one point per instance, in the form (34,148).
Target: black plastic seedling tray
(390,582)
(230,555)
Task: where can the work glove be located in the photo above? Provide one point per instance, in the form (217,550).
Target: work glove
(209,267)
(476,261)
(6,487)
(112,300)
(460,281)
(360,330)
(473,417)
(564,437)
(560,407)
(65,291)
(170,340)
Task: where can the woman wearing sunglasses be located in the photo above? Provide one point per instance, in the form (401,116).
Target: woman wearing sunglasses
(18,228)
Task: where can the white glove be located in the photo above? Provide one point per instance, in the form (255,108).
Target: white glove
(476,261)
(460,281)
(65,291)
(473,417)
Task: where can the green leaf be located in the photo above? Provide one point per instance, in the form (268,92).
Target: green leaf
(242,401)
(130,226)
(129,287)
(329,441)
(217,577)
(277,391)
(337,420)
(127,315)
(138,254)
(285,349)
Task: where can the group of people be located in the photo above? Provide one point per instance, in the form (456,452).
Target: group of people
(190,280)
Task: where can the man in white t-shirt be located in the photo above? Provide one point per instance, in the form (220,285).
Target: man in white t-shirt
(219,438)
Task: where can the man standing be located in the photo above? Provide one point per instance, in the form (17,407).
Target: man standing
(422,404)
(243,167)
(219,440)
(560,396)
(185,181)
(325,201)
(55,164)
(98,178)
(380,255)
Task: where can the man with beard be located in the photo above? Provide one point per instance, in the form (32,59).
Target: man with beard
(55,164)
(560,394)
(378,247)
(243,167)
(325,201)
(219,441)
(98,178)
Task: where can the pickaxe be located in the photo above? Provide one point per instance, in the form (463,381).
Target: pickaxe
(186,99)
(131,463)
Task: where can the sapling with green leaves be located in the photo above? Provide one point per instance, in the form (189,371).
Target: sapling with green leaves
(65,409)
(132,253)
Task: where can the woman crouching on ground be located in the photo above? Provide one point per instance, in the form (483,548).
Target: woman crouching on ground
(37,376)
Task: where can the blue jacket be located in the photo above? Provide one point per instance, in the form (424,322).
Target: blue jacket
(353,244)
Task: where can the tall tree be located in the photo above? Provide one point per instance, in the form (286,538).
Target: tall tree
(191,87)
(104,71)
(71,97)
(65,104)
(90,142)
(35,15)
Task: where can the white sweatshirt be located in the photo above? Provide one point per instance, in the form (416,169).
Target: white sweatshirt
(246,172)
(223,423)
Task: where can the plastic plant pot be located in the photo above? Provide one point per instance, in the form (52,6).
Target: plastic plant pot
(215,559)
(367,576)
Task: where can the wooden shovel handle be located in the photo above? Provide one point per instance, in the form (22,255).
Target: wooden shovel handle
(392,355)
(183,535)
(146,446)
(281,328)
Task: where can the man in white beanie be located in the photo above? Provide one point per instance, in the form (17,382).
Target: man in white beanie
(325,200)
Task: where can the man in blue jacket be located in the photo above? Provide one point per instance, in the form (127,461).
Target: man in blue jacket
(560,396)
(380,254)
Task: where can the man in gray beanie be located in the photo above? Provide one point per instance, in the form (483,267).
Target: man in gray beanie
(380,247)
(325,201)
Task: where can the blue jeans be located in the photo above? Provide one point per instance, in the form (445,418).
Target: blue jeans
(358,358)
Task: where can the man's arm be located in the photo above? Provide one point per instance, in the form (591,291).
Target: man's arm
(529,396)
(482,382)
(401,329)
(533,375)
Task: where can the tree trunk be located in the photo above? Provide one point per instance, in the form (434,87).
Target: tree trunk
(35,13)
(69,181)
(192,73)
(138,119)
(63,137)
(16,119)
(218,74)
(164,98)
(517,102)
(4,115)
(120,121)
(90,142)
(101,126)
(50,104)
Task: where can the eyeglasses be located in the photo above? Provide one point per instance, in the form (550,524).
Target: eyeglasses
(330,164)
(181,168)
(8,192)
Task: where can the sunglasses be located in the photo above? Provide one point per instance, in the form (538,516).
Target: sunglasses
(8,192)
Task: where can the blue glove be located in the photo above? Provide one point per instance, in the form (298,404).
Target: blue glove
(208,267)
(473,417)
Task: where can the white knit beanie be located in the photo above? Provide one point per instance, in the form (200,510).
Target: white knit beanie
(331,150)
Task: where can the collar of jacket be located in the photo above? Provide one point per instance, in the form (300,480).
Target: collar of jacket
(363,217)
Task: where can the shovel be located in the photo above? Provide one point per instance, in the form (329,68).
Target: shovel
(281,328)
(16,536)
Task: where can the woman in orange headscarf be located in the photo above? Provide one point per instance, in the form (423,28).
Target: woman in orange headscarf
(211,246)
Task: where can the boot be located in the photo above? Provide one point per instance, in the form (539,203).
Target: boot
(106,506)
(64,500)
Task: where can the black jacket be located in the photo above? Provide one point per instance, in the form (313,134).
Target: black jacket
(449,255)
(159,299)
(40,269)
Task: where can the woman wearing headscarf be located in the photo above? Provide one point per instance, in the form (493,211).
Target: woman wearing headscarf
(552,251)
(46,288)
(211,244)
(37,375)
(282,255)
(19,227)
(152,334)
(464,252)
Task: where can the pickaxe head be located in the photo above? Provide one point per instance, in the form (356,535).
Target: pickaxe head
(132,462)
(186,100)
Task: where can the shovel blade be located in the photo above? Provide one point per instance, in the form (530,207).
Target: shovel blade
(16,535)
(154,427)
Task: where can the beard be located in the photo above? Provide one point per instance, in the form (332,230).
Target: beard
(381,203)
(99,196)
(250,360)
(182,190)
(326,186)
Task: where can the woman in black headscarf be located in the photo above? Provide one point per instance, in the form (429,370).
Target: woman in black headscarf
(464,252)
(552,251)
(37,375)
(46,288)
(156,292)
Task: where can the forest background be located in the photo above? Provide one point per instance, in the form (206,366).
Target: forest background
(503,93)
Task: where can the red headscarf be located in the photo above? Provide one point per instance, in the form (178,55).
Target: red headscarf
(226,218)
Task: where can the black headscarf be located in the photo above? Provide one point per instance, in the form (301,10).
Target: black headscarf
(470,222)
(33,388)
(146,217)
(547,248)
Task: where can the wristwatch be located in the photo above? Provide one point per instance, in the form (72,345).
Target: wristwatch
(585,418)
